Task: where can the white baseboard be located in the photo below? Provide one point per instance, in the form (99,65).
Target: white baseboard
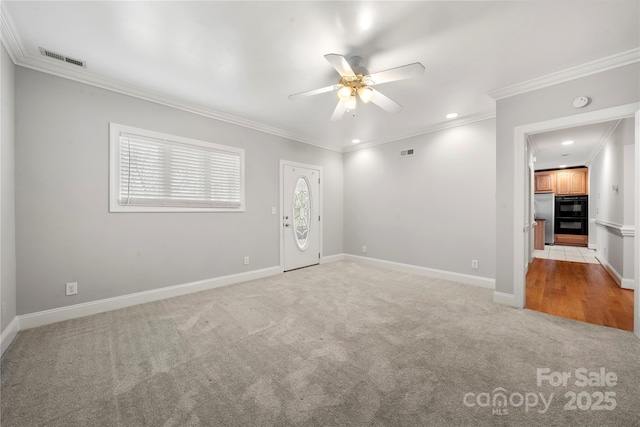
(505,299)
(425,271)
(623,283)
(593,246)
(331,258)
(9,334)
(628,284)
(46,317)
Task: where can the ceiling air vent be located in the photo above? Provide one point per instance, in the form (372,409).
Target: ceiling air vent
(408,152)
(59,57)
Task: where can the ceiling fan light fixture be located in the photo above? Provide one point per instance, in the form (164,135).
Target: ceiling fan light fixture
(344,93)
(366,93)
(355,78)
(351,103)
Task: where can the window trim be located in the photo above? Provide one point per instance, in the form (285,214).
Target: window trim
(115,130)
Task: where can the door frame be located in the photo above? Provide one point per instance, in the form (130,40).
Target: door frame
(284,163)
(520,220)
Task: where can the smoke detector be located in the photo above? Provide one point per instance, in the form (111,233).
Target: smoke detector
(581,101)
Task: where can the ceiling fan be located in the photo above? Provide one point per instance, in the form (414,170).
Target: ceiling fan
(354,78)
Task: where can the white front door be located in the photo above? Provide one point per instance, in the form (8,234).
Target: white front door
(300,216)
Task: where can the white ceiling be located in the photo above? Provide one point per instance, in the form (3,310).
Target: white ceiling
(239,61)
(587,141)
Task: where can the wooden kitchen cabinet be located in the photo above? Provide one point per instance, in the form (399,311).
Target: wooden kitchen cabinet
(563,182)
(538,235)
(572,182)
(545,182)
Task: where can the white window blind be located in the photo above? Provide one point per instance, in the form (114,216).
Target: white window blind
(175,173)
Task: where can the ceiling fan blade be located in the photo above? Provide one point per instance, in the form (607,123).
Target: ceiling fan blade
(314,92)
(387,104)
(340,63)
(339,111)
(399,73)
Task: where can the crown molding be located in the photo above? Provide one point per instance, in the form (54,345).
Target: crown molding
(81,75)
(18,55)
(70,72)
(604,139)
(10,40)
(614,61)
(429,129)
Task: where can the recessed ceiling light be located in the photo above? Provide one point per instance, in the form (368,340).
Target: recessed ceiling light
(451,115)
(355,141)
(563,166)
(365,20)
(567,143)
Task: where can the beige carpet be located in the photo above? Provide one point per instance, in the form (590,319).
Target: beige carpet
(339,344)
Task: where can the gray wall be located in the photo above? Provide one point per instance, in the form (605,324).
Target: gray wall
(435,209)
(611,88)
(7,191)
(66,233)
(614,166)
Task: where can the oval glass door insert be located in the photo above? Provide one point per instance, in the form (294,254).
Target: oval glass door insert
(301,212)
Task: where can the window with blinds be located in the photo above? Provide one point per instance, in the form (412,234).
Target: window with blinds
(153,172)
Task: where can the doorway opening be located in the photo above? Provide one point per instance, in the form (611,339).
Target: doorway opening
(579,219)
(522,199)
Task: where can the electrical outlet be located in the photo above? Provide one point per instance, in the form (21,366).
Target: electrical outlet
(71,288)
(474,263)
(273,210)
(364,249)
(246,260)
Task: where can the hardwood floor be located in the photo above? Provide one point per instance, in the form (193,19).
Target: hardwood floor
(578,291)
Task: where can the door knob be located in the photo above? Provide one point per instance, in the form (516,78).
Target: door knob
(287,225)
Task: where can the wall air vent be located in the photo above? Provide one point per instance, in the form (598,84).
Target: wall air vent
(59,57)
(408,152)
